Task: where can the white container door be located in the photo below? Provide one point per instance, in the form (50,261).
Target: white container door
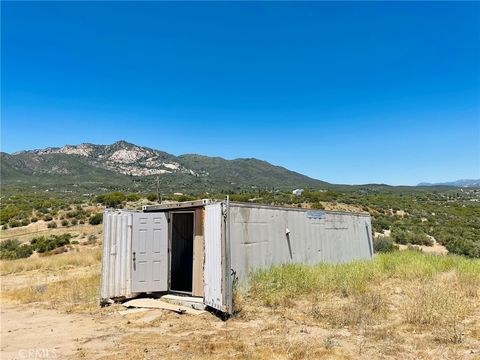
(149,252)
(216,288)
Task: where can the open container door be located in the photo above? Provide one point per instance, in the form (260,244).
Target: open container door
(116,253)
(217,285)
(150,252)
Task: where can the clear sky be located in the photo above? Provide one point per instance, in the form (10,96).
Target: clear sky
(343,92)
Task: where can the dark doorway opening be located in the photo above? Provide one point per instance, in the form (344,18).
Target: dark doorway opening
(182,252)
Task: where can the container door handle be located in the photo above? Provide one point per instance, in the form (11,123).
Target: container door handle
(134,265)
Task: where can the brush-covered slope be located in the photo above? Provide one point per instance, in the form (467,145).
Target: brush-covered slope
(131,167)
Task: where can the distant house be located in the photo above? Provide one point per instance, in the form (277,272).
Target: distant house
(297,192)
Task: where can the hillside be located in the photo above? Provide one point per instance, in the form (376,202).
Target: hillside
(126,166)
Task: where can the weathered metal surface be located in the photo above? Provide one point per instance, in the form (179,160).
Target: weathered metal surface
(177,205)
(240,238)
(116,255)
(213,256)
(262,236)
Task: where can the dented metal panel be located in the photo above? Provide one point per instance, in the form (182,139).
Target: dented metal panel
(262,236)
(116,255)
(213,257)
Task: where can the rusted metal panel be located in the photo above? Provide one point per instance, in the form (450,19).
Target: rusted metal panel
(262,236)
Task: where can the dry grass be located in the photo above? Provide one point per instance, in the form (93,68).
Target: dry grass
(68,295)
(68,281)
(409,292)
(281,285)
(400,305)
(73,259)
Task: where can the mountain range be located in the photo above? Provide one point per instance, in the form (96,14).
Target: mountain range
(126,166)
(465,183)
(122,166)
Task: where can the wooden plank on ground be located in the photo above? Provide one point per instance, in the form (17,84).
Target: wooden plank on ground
(158,304)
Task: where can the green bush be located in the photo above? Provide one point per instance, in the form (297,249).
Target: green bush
(112,200)
(43,244)
(414,237)
(9,244)
(64,222)
(318,206)
(152,197)
(13,249)
(133,197)
(74,221)
(33,220)
(14,223)
(384,245)
(96,219)
(52,225)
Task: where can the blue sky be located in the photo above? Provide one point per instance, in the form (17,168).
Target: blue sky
(343,92)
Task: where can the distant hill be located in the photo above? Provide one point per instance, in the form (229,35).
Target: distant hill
(126,166)
(458,183)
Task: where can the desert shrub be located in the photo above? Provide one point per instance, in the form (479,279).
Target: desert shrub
(74,221)
(96,219)
(33,220)
(242,197)
(25,222)
(381,223)
(8,212)
(78,213)
(384,244)
(74,242)
(92,239)
(9,244)
(52,225)
(43,244)
(461,246)
(12,249)
(318,205)
(64,222)
(133,197)
(152,197)
(414,237)
(14,223)
(82,221)
(184,198)
(112,200)
(48,217)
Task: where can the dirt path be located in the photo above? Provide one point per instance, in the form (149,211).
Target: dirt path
(33,333)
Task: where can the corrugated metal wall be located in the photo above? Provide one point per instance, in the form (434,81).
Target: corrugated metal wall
(212,275)
(116,255)
(262,236)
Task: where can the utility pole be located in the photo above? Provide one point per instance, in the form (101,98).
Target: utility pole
(159,199)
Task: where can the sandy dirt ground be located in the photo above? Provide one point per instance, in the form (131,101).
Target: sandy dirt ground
(31,332)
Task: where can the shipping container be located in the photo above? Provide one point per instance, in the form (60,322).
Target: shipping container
(200,248)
